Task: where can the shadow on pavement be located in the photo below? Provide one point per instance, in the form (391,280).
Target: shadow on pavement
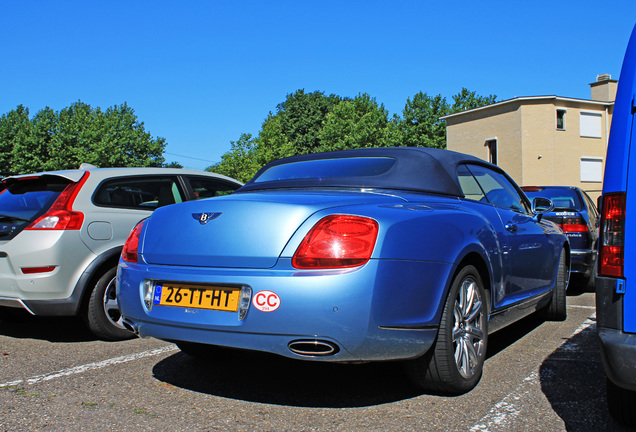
(573,380)
(19,324)
(270,379)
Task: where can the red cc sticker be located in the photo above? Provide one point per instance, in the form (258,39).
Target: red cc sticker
(266,301)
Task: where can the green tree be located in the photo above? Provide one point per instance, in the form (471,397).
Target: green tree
(296,126)
(313,122)
(172,164)
(465,100)
(421,125)
(356,123)
(62,140)
(15,128)
(120,129)
(32,153)
(240,162)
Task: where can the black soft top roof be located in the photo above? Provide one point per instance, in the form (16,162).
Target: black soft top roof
(417,169)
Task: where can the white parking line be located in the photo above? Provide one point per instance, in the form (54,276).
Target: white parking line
(90,366)
(582,307)
(510,406)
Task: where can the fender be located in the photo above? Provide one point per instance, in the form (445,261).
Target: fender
(72,305)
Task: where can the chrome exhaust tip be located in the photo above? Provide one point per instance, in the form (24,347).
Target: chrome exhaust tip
(313,348)
(131,326)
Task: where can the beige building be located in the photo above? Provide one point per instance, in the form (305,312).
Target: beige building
(541,140)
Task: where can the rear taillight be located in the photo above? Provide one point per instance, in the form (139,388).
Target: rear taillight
(337,241)
(130,251)
(61,215)
(612,236)
(574,224)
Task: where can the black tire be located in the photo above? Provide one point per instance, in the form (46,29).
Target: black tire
(621,403)
(454,365)
(102,314)
(556,310)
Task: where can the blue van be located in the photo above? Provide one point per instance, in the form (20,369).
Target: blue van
(616,280)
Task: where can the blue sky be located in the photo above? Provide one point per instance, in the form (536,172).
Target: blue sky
(201,73)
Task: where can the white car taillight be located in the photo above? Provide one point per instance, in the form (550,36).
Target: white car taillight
(61,215)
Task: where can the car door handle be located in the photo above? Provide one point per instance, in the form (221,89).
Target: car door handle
(511,227)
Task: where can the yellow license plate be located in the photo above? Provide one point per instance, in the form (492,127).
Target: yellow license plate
(197,296)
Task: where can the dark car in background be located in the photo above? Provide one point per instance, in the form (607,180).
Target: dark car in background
(575,212)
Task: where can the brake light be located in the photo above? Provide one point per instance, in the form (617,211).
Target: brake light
(61,215)
(612,236)
(574,224)
(130,251)
(337,241)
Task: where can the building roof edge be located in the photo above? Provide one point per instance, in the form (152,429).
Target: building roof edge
(527,98)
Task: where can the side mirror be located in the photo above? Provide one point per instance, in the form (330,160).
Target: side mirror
(540,206)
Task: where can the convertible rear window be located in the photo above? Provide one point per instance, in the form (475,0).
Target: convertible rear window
(328,168)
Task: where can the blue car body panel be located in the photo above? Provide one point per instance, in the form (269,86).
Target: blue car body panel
(616,297)
(388,308)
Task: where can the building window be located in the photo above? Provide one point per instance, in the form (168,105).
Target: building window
(591,124)
(591,169)
(492,151)
(560,119)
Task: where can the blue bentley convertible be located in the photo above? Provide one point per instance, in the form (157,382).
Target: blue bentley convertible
(407,254)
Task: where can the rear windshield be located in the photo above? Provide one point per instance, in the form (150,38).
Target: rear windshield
(328,168)
(561,198)
(25,200)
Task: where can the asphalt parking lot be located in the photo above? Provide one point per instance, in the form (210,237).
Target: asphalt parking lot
(539,376)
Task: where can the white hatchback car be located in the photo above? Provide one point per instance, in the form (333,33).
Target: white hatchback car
(61,234)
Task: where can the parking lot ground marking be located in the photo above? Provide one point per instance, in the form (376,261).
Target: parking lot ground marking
(504,411)
(582,307)
(90,366)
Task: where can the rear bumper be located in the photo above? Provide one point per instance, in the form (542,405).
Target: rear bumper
(15,304)
(47,292)
(360,311)
(582,261)
(618,352)
(618,349)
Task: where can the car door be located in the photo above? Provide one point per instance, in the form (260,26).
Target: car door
(528,256)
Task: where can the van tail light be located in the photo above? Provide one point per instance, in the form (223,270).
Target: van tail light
(574,224)
(612,236)
(337,241)
(61,215)
(130,251)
